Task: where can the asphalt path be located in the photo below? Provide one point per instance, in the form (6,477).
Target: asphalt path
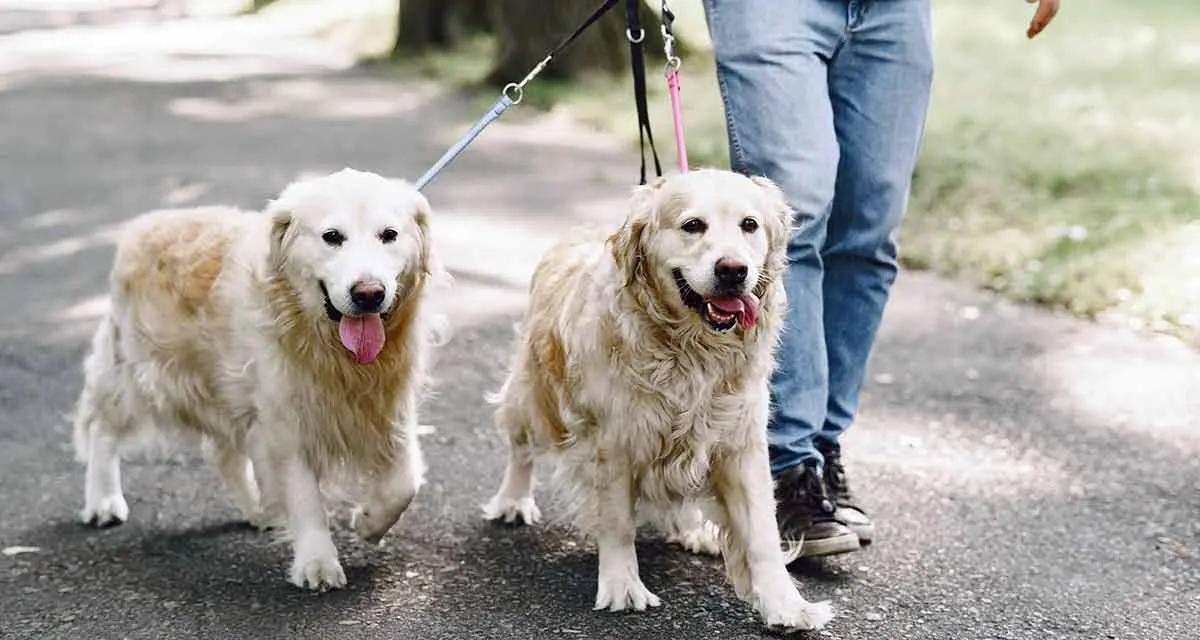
(1032,476)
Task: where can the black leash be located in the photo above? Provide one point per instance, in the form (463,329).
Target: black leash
(583,26)
(636,36)
(512,94)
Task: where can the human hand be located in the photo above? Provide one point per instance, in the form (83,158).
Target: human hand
(1046,11)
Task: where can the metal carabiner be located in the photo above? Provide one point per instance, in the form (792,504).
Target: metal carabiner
(515,91)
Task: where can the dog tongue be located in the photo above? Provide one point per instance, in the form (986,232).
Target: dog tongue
(744,307)
(363,336)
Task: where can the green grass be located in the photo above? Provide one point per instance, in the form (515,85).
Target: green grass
(1063,171)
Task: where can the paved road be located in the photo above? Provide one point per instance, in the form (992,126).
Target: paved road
(1032,476)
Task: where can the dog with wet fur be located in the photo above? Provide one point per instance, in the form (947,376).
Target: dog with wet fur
(641,372)
(292,343)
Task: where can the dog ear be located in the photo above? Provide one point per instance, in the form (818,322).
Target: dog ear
(281,225)
(779,227)
(626,243)
(434,271)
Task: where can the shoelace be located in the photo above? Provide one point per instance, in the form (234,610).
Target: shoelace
(809,491)
(835,475)
(835,478)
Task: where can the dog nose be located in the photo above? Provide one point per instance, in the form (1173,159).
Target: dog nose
(367,296)
(730,273)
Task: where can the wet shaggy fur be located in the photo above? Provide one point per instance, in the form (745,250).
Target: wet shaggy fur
(219,331)
(646,411)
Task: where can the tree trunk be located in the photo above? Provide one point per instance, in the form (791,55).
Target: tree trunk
(422,25)
(474,16)
(528,29)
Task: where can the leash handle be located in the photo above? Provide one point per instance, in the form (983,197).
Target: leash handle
(636,35)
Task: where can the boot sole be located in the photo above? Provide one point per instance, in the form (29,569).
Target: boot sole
(830,546)
(865,532)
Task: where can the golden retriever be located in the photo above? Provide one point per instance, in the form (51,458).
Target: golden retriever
(642,372)
(293,342)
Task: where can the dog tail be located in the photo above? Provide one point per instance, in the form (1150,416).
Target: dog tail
(99,369)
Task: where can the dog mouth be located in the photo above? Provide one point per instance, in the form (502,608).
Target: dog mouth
(721,313)
(332,311)
(362,335)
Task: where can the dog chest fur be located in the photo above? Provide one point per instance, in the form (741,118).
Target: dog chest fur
(607,378)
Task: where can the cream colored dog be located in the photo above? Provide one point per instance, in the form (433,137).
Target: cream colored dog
(292,342)
(642,371)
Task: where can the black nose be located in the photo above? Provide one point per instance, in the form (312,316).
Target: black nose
(730,274)
(367,296)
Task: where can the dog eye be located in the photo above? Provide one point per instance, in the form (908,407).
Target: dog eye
(388,236)
(694,225)
(749,225)
(333,238)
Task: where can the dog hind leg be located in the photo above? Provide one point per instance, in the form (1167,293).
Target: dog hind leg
(513,501)
(685,524)
(238,473)
(101,418)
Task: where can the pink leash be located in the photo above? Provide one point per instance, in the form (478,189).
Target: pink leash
(672,72)
(680,145)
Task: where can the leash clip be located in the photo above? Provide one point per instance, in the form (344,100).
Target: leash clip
(515,91)
(668,18)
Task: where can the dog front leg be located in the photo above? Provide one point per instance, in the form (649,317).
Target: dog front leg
(393,490)
(314,557)
(754,561)
(619,585)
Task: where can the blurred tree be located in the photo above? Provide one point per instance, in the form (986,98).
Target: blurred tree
(526,30)
(438,24)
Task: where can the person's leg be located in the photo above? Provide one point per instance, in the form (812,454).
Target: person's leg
(772,67)
(879,85)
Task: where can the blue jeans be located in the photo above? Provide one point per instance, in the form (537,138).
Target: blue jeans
(827,98)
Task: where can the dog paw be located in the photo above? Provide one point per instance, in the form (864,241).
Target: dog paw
(625,592)
(512,511)
(799,615)
(369,526)
(317,572)
(704,539)
(110,510)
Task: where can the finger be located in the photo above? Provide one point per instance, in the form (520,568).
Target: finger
(1046,11)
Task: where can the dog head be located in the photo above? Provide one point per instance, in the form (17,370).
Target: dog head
(352,245)
(716,239)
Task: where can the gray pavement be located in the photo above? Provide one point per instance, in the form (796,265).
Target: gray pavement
(1032,476)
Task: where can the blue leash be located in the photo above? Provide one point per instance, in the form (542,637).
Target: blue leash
(512,94)
(497,110)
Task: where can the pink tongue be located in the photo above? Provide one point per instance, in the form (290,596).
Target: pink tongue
(745,308)
(363,336)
